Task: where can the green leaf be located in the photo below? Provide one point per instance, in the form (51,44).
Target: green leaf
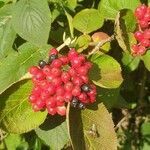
(131,63)
(70,19)
(82,42)
(146,59)
(92,129)
(106,71)
(122,27)
(16,65)
(111,98)
(145,128)
(54,132)
(16,114)
(110,8)
(15,141)
(32,20)
(7,34)
(88,20)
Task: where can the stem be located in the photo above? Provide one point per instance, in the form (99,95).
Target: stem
(100,44)
(66,43)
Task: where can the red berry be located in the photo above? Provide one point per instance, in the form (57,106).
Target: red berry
(60,90)
(85,79)
(57,82)
(76,91)
(83,97)
(40,103)
(81,58)
(76,62)
(33,70)
(51,102)
(32,98)
(56,63)
(72,53)
(145,42)
(65,77)
(138,35)
(147,34)
(51,89)
(77,81)
(68,86)
(35,107)
(64,59)
(82,70)
(40,75)
(51,111)
(72,72)
(61,110)
(47,70)
(59,98)
(68,96)
(53,51)
(56,72)
(143,23)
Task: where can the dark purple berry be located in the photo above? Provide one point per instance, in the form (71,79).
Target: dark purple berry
(85,88)
(42,63)
(74,102)
(52,57)
(81,106)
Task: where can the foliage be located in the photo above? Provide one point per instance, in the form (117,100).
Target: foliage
(103,31)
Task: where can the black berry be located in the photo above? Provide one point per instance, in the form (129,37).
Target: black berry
(74,102)
(52,57)
(81,106)
(85,88)
(42,63)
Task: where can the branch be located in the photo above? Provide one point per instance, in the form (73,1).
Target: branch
(100,44)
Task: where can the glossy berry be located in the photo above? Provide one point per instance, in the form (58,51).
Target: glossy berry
(81,106)
(85,88)
(74,102)
(52,57)
(33,70)
(42,63)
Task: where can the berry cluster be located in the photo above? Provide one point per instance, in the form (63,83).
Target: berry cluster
(61,80)
(142,14)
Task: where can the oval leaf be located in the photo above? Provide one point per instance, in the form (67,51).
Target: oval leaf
(31,20)
(88,20)
(54,132)
(106,71)
(16,64)
(92,129)
(16,114)
(110,8)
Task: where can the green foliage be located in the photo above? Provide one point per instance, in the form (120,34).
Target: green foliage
(31,20)
(14,67)
(131,63)
(106,71)
(146,59)
(110,8)
(16,114)
(54,132)
(95,129)
(7,34)
(15,141)
(83,21)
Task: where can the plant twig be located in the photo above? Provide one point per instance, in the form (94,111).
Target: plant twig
(100,44)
